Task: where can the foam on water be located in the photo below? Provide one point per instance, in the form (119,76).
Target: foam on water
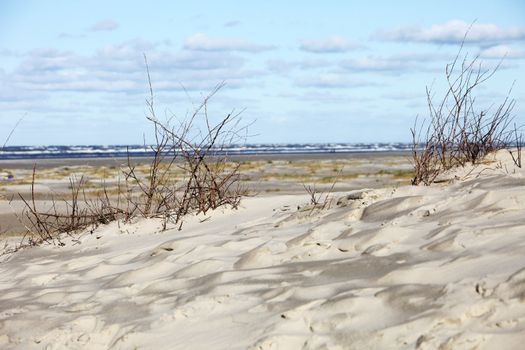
(96,151)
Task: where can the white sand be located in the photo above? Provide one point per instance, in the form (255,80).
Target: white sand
(412,267)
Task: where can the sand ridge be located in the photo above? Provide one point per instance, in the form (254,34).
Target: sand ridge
(401,267)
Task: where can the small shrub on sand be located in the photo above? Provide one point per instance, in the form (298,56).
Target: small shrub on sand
(321,199)
(209,179)
(194,149)
(457,132)
(65,216)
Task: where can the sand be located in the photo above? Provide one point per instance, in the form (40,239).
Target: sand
(399,267)
(262,175)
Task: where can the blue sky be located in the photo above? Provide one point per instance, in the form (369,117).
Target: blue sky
(304,71)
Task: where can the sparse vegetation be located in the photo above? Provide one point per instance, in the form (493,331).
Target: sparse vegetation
(66,216)
(399,174)
(457,132)
(321,199)
(193,149)
(209,180)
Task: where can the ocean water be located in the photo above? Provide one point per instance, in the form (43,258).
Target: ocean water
(97,151)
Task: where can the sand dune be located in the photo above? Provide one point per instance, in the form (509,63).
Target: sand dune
(404,267)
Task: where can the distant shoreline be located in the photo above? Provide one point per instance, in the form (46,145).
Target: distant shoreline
(138,151)
(25,163)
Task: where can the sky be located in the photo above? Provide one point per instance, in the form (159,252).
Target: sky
(73,72)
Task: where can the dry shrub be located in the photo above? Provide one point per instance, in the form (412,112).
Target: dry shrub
(457,132)
(66,216)
(320,199)
(198,148)
(194,146)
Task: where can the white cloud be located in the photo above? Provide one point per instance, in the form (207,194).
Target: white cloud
(281,67)
(315,63)
(329,81)
(121,68)
(327,96)
(9,53)
(65,35)
(10,93)
(197,61)
(128,50)
(453,32)
(396,64)
(502,51)
(202,42)
(376,64)
(333,44)
(45,60)
(403,95)
(104,25)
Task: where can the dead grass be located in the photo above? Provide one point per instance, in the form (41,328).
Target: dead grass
(397,174)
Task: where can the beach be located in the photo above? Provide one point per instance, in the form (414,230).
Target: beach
(262,175)
(382,265)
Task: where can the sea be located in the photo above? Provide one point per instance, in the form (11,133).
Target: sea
(98,151)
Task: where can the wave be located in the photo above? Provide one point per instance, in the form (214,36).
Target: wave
(99,151)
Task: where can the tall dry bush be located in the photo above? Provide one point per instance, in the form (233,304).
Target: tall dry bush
(457,131)
(195,148)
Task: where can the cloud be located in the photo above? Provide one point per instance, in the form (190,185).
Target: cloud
(127,50)
(327,96)
(45,60)
(396,64)
(120,68)
(453,32)
(201,42)
(376,64)
(198,61)
(10,93)
(502,51)
(64,35)
(333,44)
(104,25)
(420,57)
(233,23)
(9,53)
(330,81)
(281,67)
(315,63)
(403,95)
